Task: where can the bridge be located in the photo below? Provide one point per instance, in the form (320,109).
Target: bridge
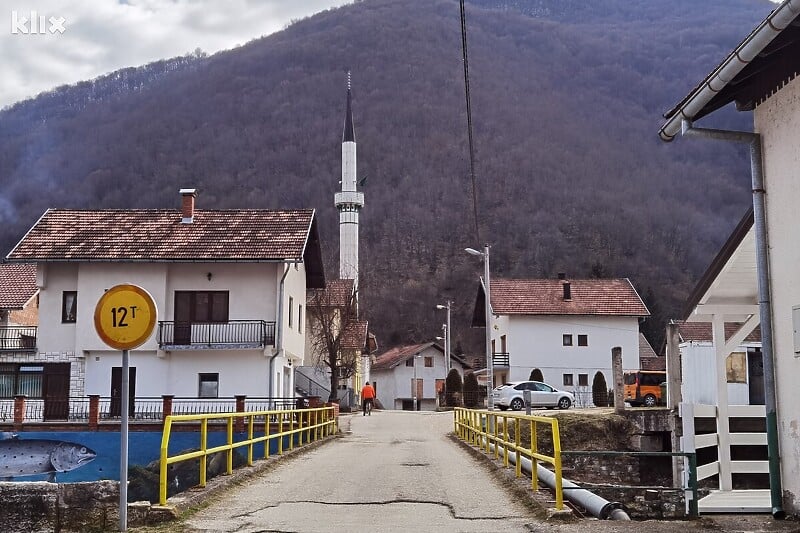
(393,471)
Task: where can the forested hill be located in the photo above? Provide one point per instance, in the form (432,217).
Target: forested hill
(567,97)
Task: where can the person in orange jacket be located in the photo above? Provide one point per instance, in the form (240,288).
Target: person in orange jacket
(367,397)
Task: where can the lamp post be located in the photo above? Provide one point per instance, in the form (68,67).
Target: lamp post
(447,337)
(414,386)
(487,305)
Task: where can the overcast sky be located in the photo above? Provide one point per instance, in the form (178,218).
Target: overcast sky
(83,39)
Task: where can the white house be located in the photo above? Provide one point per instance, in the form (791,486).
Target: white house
(562,331)
(394,373)
(230,288)
(760,75)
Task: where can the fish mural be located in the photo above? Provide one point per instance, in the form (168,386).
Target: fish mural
(21,457)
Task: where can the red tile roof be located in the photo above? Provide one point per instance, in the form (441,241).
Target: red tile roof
(645,350)
(648,359)
(613,297)
(355,335)
(398,355)
(336,293)
(17,285)
(701,332)
(149,235)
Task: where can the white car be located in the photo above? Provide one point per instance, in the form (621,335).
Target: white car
(542,395)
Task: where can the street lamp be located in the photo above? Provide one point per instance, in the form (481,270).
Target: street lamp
(415,389)
(447,337)
(487,305)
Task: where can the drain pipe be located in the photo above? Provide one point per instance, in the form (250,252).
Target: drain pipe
(764,296)
(278,328)
(597,506)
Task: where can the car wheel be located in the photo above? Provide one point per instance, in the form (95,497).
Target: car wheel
(517,404)
(564,403)
(502,407)
(649,401)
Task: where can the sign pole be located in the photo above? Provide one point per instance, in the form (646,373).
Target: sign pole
(123,444)
(124,318)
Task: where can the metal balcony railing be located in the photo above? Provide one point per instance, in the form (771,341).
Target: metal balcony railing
(500,359)
(231,334)
(18,338)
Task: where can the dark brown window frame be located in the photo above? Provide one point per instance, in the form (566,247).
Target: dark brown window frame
(69,316)
(211,310)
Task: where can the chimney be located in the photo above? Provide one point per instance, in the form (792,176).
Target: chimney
(562,276)
(187,205)
(567,291)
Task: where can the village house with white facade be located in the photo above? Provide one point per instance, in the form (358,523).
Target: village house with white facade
(229,285)
(562,331)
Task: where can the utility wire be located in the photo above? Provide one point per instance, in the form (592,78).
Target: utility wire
(469,121)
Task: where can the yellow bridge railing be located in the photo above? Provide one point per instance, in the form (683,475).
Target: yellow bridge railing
(293,426)
(492,431)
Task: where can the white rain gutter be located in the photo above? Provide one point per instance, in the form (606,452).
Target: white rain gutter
(753,45)
(278,329)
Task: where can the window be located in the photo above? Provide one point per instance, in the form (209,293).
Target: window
(567,339)
(300,319)
(21,379)
(410,361)
(209,386)
(583,340)
(69,306)
(568,380)
(291,305)
(583,380)
(429,362)
(201,306)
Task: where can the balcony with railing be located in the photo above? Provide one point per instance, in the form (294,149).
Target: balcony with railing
(18,338)
(231,335)
(500,359)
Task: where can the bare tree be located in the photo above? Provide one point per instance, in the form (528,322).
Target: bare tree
(336,336)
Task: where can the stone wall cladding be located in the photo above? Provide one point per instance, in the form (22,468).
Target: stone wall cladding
(77,379)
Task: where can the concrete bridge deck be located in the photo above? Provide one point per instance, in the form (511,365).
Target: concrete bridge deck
(392,471)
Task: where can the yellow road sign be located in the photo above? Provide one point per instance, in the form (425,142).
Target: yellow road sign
(125,316)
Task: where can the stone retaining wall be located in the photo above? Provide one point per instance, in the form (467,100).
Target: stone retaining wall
(30,507)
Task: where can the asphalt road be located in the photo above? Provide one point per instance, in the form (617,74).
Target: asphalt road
(392,471)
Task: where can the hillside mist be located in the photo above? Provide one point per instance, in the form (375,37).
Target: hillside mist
(567,97)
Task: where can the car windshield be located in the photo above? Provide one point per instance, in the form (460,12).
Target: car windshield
(630,378)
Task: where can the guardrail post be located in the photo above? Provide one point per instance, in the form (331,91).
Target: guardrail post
(94,411)
(694,511)
(240,398)
(19,410)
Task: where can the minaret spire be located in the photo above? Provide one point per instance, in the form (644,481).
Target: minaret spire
(349,202)
(348,135)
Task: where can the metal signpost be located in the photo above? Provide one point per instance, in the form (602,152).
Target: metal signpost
(124,318)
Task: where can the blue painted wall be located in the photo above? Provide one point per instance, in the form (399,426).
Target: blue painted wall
(143,448)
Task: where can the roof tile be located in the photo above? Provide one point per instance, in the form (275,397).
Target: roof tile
(614,297)
(17,285)
(159,235)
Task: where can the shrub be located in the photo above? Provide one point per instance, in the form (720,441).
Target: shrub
(454,387)
(599,390)
(471,388)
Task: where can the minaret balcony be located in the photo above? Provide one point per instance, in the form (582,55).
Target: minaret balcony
(349,198)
